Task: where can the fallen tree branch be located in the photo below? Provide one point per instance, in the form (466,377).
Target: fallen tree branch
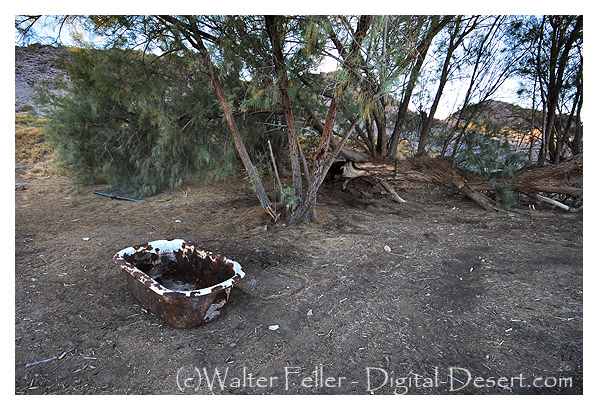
(551,201)
(392,191)
(274,165)
(566,207)
(479,198)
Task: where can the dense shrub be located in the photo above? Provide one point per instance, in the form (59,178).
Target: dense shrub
(141,124)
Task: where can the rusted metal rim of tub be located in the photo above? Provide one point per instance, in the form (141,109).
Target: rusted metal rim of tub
(169,247)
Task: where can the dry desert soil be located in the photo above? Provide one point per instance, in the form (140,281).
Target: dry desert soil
(467,301)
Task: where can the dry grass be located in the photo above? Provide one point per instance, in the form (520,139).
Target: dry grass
(31,147)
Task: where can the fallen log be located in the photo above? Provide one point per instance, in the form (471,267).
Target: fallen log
(561,178)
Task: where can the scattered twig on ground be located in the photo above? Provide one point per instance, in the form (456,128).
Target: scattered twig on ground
(41,361)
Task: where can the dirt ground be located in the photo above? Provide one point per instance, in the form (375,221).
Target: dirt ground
(467,301)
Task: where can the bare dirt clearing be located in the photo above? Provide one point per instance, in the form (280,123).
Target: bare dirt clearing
(495,294)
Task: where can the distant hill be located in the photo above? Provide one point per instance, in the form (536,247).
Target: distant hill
(507,115)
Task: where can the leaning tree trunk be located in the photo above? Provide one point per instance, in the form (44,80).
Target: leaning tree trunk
(196,37)
(319,174)
(421,52)
(245,157)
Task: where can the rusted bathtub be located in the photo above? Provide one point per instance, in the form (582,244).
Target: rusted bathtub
(179,282)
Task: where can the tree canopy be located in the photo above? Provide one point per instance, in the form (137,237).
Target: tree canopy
(153,115)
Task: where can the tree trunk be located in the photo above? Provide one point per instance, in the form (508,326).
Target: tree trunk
(426,128)
(321,167)
(319,174)
(283,86)
(195,37)
(577,141)
(558,61)
(243,154)
(245,158)
(421,52)
(381,128)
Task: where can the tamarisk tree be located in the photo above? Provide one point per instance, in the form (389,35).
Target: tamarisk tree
(553,64)
(210,39)
(360,110)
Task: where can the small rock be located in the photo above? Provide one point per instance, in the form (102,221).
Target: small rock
(273,327)
(387,249)
(232,345)
(20,187)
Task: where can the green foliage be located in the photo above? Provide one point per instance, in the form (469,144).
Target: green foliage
(28,108)
(288,198)
(138,125)
(505,198)
(488,153)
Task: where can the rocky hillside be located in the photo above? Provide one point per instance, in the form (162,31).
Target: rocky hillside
(508,115)
(33,66)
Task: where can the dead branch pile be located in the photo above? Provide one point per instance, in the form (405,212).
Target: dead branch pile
(562,178)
